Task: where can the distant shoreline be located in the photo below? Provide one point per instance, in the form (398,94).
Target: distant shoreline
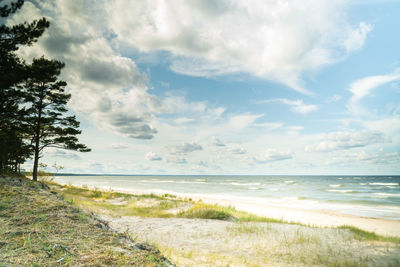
(225,175)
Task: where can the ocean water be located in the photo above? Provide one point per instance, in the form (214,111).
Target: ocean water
(367,196)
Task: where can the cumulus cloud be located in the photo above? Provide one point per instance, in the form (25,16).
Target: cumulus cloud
(296,105)
(346,140)
(118,146)
(271,155)
(153,156)
(273,40)
(378,158)
(176,160)
(237,150)
(106,86)
(186,148)
(357,36)
(58,153)
(216,142)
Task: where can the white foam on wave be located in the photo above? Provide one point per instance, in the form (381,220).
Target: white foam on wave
(386,195)
(254,188)
(245,184)
(393,184)
(342,191)
(290,182)
(335,185)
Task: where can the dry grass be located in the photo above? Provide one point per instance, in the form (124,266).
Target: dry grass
(241,239)
(39,228)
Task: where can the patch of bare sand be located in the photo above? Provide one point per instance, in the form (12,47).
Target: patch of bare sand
(200,242)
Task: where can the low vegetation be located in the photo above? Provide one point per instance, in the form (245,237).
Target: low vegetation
(39,228)
(243,239)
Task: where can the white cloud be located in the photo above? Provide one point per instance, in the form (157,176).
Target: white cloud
(346,140)
(237,150)
(106,86)
(357,36)
(363,87)
(216,142)
(273,40)
(378,158)
(272,154)
(335,98)
(153,156)
(242,121)
(118,146)
(176,160)
(296,105)
(186,148)
(58,153)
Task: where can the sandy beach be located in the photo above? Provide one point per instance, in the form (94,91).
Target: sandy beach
(321,218)
(165,221)
(290,212)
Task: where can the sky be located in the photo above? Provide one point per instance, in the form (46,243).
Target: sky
(280,87)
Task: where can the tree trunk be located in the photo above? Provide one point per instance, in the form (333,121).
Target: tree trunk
(37,141)
(36,162)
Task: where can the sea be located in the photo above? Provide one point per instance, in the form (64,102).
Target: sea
(366,196)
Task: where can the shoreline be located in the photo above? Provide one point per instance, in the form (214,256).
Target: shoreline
(276,210)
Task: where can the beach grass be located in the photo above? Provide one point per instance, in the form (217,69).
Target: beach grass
(244,239)
(39,228)
(168,206)
(366,235)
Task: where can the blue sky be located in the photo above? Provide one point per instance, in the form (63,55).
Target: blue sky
(227,87)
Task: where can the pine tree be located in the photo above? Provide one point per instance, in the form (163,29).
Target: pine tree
(13,149)
(47,123)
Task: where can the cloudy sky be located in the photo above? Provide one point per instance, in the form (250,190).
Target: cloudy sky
(227,87)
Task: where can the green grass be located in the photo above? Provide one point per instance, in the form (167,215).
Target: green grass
(96,201)
(371,236)
(203,211)
(39,228)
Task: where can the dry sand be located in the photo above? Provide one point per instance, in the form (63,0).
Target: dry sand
(308,216)
(201,242)
(286,211)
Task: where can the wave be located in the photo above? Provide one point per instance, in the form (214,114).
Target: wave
(336,185)
(386,195)
(245,184)
(290,182)
(343,191)
(392,184)
(171,182)
(254,188)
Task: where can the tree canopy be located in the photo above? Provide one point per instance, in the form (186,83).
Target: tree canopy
(32,99)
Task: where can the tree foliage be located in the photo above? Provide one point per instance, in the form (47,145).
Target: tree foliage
(32,100)
(45,119)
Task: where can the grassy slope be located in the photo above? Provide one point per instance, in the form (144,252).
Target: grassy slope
(39,228)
